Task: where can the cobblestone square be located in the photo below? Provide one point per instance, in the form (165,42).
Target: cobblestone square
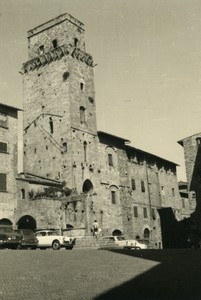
(100,274)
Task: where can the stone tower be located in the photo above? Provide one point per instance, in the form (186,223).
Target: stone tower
(60,133)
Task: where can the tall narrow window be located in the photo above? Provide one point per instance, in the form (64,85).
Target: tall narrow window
(82,114)
(135,211)
(113,196)
(54,43)
(173,193)
(110,160)
(51,125)
(23,193)
(142,186)
(145,212)
(153,214)
(76,42)
(3,182)
(85,151)
(133,186)
(3,147)
(82,86)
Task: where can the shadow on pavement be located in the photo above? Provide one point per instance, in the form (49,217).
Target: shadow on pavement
(178,276)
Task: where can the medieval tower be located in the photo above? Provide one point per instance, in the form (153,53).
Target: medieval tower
(60,137)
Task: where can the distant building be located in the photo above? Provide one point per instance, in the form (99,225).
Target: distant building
(192,155)
(186,232)
(186,209)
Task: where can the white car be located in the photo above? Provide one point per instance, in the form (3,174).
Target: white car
(51,239)
(127,244)
(134,244)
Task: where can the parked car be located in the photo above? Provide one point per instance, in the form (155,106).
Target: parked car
(9,238)
(123,242)
(29,240)
(51,239)
(134,244)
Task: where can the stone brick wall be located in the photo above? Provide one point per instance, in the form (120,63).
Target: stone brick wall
(64,28)
(8,164)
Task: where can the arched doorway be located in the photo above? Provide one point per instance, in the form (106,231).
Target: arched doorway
(27,222)
(90,215)
(117,232)
(5,222)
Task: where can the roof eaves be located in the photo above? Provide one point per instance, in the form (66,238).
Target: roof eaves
(154,155)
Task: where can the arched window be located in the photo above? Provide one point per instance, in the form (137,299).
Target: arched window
(82,114)
(146,234)
(87,186)
(85,151)
(113,194)
(65,148)
(111,156)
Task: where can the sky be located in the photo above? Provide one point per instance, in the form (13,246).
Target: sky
(148,72)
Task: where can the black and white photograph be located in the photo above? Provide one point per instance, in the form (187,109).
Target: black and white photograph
(100,149)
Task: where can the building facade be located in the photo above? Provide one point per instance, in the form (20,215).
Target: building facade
(74,174)
(192,156)
(9,162)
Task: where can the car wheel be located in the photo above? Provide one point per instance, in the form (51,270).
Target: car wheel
(33,248)
(56,245)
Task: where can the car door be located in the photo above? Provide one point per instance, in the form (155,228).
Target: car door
(43,239)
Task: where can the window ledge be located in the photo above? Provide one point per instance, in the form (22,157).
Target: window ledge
(3,191)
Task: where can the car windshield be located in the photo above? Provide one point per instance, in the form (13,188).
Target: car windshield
(121,238)
(52,233)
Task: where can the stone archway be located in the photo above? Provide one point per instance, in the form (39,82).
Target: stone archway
(90,214)
(69,226)
(87,186)
(117,232)
(5,222)
(27,222)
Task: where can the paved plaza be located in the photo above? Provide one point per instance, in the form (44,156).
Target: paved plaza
(100,274)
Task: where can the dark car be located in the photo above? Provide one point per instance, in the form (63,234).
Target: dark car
(9,238)
(29,240)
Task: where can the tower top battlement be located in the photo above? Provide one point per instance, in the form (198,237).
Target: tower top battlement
(53,22)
